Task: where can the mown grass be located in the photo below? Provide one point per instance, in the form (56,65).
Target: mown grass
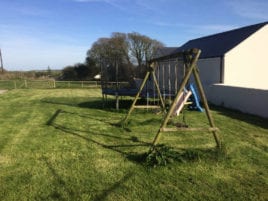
(60,144)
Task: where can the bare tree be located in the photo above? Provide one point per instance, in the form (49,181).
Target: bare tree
(136,46)
(151,48)
(142,48)
(112,54)
(119,50)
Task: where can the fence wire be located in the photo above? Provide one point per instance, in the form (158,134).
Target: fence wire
(47,84)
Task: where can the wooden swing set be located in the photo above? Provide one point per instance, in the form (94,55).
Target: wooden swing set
(190,58)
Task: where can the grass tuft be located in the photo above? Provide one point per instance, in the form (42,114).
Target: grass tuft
(162,155)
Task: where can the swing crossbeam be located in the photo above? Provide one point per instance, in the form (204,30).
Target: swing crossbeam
(147,107)
(211,129)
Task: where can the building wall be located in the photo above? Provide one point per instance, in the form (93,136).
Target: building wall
(247,100)
(246,65)
(209,70)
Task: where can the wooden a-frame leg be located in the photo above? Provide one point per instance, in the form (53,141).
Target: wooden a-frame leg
(158,91)
(204,100)
(136,97)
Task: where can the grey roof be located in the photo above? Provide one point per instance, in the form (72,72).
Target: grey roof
(218,44)
(164,51)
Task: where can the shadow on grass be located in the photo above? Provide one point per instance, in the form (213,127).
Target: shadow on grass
(115,148)
(116,124)
(151,121)
(161,156)
(107,104)
(249,118)
(54,116)
(94,103)
(51,122)
(58,182)
(105,193)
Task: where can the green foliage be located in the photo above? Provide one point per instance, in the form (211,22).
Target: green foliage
(161,155)
(80,71)
(33,74)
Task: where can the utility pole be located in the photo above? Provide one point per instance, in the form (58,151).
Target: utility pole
(1,62)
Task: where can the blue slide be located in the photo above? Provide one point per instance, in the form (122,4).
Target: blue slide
(195,99)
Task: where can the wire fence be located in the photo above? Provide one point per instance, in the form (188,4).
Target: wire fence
(47,84)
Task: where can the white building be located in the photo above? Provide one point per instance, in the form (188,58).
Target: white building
(234,68)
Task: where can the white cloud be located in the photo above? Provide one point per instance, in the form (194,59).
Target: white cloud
(216,27)
(100,1)
(198,28)
(122,5)
(257,9)
(126,5)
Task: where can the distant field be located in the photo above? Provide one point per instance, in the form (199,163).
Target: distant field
(46,84)
(61,144)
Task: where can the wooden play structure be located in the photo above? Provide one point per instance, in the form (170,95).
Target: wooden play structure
(189,59)
(161,83)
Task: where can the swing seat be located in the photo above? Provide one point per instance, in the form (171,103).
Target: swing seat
(184,96)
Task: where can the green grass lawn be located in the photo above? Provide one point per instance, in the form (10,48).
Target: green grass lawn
(60,144)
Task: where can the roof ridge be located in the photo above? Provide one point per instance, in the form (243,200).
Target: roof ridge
(232,30)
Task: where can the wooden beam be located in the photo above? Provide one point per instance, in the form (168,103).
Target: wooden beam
(158,91)
(147,107)
(188,129)
(205,103)
(136,97)
(175,55)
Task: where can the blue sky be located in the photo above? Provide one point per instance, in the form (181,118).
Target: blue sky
(35,34)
